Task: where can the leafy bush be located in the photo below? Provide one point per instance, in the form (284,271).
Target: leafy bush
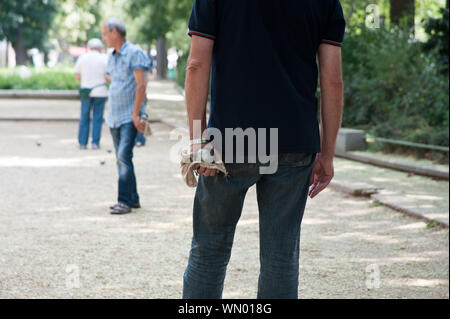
(393,89)
(438,32)
(45,79)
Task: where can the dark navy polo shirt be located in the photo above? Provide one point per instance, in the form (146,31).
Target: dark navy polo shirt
(264,69)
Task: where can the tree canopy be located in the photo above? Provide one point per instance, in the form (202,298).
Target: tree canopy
(26,23)
(159,16)
(30,23)
(77,21)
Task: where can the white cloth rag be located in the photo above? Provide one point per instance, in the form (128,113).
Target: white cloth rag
(188,164)
(147,129)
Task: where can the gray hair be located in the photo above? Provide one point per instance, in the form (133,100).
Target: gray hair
(95,44)
(114,23)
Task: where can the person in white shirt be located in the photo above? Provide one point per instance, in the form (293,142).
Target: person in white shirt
(90,69)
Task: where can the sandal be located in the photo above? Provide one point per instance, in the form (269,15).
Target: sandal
(137,205)
(120,209)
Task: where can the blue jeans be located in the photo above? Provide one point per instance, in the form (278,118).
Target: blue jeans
(97,105)
(123,138)
(217,208)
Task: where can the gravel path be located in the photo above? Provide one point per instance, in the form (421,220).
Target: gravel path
(55,229)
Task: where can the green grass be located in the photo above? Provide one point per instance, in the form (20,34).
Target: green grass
(432,224)
(375,203)
(42,79)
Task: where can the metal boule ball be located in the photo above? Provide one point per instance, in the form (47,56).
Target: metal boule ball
(204,155)
(102,162)
(38,143)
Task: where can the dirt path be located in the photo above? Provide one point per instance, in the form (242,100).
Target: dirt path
(54,225)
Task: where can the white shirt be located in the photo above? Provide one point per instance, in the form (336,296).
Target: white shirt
(92,68)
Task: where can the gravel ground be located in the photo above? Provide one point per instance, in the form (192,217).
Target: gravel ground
(57,239)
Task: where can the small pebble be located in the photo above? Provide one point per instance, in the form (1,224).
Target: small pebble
(38,143)
(102,162)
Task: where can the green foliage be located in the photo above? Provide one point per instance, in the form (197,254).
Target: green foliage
(181,40)
(432,224)
(46,79)
(437,29)
(28,19)
(119,9)
(161,16)
(355,11)
(392,88)
(77,21)
(181,69)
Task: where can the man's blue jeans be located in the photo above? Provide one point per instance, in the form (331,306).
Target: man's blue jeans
(97,105)
(217,208)
(123,138)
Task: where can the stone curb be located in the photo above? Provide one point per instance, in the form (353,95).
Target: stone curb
(357,189)
(55,119)
(396,201)
(40,94)
(428,172)
(401,203)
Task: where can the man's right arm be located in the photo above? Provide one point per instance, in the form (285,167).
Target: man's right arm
(332,106)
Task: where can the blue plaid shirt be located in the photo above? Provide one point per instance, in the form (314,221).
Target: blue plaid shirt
(123,84)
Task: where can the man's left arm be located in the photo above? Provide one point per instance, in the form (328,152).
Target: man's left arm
(139,97)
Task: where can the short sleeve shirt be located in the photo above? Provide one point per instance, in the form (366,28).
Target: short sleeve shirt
(92,68)
(264,69)
(121,66)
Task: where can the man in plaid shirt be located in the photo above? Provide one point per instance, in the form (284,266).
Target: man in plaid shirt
(126,69)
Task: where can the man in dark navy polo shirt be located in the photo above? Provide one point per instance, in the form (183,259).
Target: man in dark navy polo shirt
(262,57)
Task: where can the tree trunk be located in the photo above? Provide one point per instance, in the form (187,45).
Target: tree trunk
(161,58)
(7,54)
(20,48)
(403,9)
(46,58)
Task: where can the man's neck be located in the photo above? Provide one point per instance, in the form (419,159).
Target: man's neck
(119,45)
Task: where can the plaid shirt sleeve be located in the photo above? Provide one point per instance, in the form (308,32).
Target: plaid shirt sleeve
(139,61)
